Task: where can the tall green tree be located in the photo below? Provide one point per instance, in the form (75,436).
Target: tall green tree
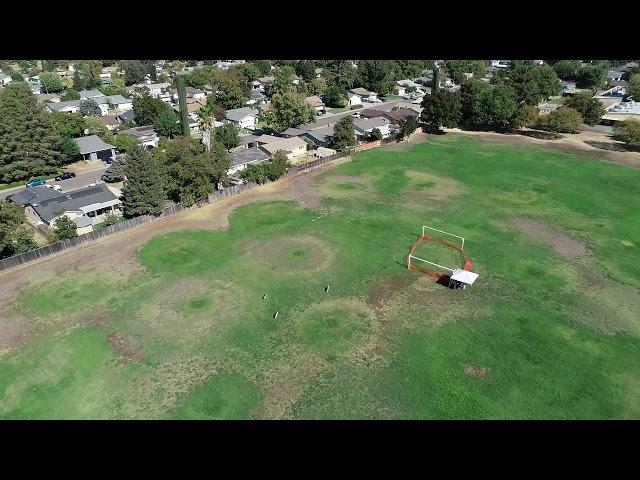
(634,86)
(441,109)
(95,126)
(144,192)
(590,108)
(228,135)
(341,73)
(532,83)
(89,108)
(191,171)
(70,95)
(64,228)
(407,126)
(591,76)
(527,116)
(166,125)
(134,71)
(343,134)
(115,172)
(184,112)
(377,75)
(566,69)
(14,238)
(288,110)
(51,82)
(28,144)
(67,124)
(148,109)
(336,96)
(69,150)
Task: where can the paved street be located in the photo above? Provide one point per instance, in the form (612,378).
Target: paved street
(81,180)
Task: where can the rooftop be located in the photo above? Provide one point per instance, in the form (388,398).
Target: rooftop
(48,202)
(247,155)
(238,114)
(91,143)
(286,144)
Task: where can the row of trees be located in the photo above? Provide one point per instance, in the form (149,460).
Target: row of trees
(180,169)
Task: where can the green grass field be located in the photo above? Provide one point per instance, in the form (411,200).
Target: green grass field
(540,335)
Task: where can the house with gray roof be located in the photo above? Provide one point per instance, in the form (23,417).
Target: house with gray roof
(243,117)
(242,157)
(86,94)
(145,136)
(320,136)
(362,127)
(86,206)
(70,106)
(92,147)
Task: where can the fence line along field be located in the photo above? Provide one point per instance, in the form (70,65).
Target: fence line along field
(307,309)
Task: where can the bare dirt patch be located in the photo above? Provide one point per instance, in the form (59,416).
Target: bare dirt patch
(386,287)
(560,241)
(290,254)
(13,331)
(128,350)
(476,372)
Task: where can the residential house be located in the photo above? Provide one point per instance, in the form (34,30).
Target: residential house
(70,106)
(621,112)
(193,106)
(119,102)
(5,79)
(111,121)
(316,103)
(85,207)
(611,96)
(318,72)
(87,94)
(353,99)
(243,157)
(194,125)
(243,117)
(400,90)
(92,147)
(223,65)
(264,81)
(159,90)
(127,116)
(365,95)
(395,115)
(49,98)
(257,98)
(362,127)
(320,137)
(293,147)
(145,136)
(614,74)
(195,93)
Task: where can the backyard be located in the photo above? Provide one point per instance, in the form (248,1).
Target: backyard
(549,330)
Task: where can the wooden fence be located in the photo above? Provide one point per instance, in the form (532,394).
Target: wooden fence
(54,248)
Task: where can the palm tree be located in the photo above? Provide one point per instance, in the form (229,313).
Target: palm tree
(206,119)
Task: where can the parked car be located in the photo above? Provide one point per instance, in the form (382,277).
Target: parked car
(65,176)
(36,182)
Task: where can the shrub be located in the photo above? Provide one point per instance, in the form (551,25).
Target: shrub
(563,120)
(629,132)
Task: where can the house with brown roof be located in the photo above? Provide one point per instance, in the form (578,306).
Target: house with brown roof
(316,103)
(292,147)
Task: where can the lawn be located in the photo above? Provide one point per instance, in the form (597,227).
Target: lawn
(546,331)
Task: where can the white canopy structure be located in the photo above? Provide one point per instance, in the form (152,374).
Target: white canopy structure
(464,276)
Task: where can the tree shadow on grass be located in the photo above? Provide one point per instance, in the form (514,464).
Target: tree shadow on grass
(539,134)
(612,147)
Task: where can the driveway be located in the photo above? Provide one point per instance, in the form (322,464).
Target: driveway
(81,180)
